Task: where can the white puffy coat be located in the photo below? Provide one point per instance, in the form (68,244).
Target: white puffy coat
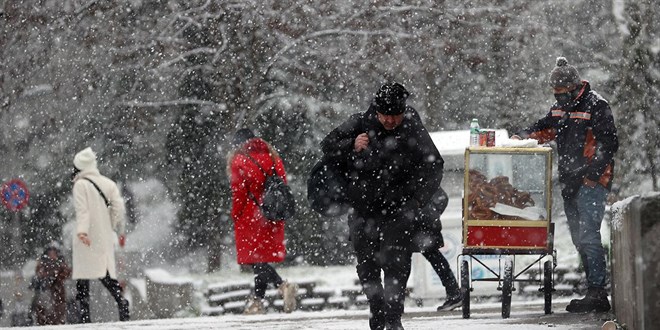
(99,222)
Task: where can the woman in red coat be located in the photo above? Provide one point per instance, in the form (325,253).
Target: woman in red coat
(259,241)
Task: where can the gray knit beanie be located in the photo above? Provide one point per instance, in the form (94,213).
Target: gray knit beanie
(564,75)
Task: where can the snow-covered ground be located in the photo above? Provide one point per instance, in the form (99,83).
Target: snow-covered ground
(524,316)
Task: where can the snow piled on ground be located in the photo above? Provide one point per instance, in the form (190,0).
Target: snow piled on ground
(483,318)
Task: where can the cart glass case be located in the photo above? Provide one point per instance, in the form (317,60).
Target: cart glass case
(507,200)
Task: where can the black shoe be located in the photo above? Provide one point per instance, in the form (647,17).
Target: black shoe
(377,320)
(83,310)
(594,301)
(451,303)
(394,326)
(123,311)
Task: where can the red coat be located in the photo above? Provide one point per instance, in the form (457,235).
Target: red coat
(258,240)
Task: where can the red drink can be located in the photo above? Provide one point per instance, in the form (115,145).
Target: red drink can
(483,138)
(490,138)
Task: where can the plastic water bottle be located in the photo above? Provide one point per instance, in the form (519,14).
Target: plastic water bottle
(474,133)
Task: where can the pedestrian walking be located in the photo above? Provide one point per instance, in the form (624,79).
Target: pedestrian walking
(581,123)
(428,240)
(100,217)
(259,240)
(393,169)
(49,303)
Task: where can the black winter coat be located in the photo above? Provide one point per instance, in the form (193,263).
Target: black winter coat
(400,170)
(586,139)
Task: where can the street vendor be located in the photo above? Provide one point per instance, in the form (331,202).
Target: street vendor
(581,123)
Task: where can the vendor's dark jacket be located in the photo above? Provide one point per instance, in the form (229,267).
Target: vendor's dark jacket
(586,139)
(399,171)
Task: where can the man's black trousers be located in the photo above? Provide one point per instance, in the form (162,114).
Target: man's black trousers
(383,244)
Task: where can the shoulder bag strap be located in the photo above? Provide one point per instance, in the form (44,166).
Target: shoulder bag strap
(107,203)
(272,166)
(254,199)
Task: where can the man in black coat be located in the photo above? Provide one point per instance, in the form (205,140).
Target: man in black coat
(393,169)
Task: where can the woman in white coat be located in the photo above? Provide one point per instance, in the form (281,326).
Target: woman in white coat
(100,213)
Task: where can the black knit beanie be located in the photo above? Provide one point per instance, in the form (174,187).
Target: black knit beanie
(241,136)
(391,99)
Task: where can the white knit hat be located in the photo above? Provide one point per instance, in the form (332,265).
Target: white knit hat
(85,160)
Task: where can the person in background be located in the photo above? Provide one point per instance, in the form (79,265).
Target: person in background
(581,123)
(49,304)
(428,240)
(100,217)
(259,241)
(393,170)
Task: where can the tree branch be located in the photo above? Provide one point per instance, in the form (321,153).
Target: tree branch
(327,33)
(158,104)
(186,54)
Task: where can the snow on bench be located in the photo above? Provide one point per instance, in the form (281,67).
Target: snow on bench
(212,311)
(229,296)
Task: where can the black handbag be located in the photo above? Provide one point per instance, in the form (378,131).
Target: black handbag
(326,188)
(277,202)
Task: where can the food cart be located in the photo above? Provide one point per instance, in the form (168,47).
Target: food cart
(507,212)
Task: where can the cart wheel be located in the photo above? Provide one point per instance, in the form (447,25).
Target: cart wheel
(547,286)
(465,288)
(507,288)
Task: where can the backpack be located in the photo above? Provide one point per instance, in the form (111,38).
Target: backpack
(277,203)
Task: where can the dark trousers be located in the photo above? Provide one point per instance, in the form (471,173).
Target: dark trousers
(82,286)
(383,244)
(264,274)
(584,214)
(441,267)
